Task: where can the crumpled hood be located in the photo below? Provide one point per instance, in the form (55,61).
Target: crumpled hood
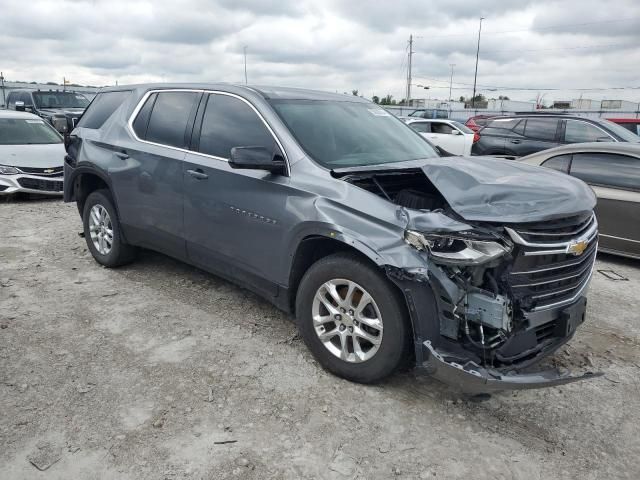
(488,189)
(497,190)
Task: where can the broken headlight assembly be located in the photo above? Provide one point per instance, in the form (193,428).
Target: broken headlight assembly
(6,170)
(459,248)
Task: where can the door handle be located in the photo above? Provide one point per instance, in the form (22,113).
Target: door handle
(122,155)
(515,141)
(198,174)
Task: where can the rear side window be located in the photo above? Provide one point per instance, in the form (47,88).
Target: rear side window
(169,118)
(580,132)
(420,127)
(102,108)
(141,122)
(229,122)
(541,128)
(607,169)
(559,162)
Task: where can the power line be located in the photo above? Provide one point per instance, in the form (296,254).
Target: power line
(533,30)
(578,47)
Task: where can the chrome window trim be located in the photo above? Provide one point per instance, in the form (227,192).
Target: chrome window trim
(144,98)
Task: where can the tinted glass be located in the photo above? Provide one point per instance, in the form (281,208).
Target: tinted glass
(462,127)
(102,108)
(169,118)
(142,119)
(11,99)
(620,131)
(443,128)
(21,131)
(607,169)
(503,123)
(541,128)
(420,127)
(559,162)
(345,134)
(580,132)
(60,100)
(229,122)
(26,98)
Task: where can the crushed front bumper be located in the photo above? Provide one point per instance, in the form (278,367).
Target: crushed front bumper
(472,378)
(25,183)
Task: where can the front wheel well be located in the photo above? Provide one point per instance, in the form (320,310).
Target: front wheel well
(83,185)
(309,251)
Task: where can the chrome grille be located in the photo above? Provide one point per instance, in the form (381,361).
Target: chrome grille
(47,172)
(545,273)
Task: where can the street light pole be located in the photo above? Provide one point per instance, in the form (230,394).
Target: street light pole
(451,80)
(408,99)
(4,99)
(475,76)
(245,64)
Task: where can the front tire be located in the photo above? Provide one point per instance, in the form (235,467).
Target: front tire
(102,231)
(352,319)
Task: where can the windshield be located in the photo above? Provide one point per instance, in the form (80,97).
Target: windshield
(60,100)
(21,131)
(349,134)
(622,132)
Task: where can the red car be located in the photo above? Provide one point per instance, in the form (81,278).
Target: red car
(477,122)
(631,124)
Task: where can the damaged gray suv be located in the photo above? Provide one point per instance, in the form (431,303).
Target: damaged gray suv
(388,255)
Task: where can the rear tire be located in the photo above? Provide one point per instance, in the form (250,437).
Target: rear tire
(102,231)
(345,348)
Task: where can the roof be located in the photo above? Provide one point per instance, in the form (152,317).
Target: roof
(430,120)
(624,148)
(267,92)
(16,114)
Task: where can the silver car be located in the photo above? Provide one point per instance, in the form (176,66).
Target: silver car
(613,172)
(31,155)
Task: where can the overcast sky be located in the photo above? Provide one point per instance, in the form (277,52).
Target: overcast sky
(332,45)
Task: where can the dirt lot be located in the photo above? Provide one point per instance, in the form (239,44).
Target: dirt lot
(161,371)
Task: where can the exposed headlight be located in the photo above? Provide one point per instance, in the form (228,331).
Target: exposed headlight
(59,123)
(459,248)
(8,170)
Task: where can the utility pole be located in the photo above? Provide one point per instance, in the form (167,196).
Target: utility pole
(451,80)
(245,64)
(475,77)
(4,99)
(410,54)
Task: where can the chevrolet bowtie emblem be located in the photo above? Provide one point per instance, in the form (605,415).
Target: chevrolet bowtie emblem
(49,170)
(577,247)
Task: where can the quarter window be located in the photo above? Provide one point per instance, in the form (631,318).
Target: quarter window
(559,162)
(169,118)
(607,169)
(541,128)
(420,127)
(229,122)
(580,132)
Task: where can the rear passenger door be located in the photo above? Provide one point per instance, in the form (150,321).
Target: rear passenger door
(537,134)
(148,178)
(234,219)
(616,181)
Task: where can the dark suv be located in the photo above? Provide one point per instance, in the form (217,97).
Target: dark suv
(61,109)
(335,210)
(520,135)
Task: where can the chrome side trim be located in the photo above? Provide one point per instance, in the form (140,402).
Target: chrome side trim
(619,238)
(144,98)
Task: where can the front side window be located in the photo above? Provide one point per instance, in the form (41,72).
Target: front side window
(581,132)
(229,122)
(541,128)
(169,118)
(559,162)
(27,131)
(60,100)
(102,107)
(347,134)
(443,128)
(607,169)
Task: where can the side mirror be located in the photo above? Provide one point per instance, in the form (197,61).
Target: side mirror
(257,158)
(20,106)
(456,132)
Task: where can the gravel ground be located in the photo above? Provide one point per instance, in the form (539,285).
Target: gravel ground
(158,370)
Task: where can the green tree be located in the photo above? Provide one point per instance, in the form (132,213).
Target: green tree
(354,93)
(375,99)
(387,100)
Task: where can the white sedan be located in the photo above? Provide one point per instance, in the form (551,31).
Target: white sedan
(449,135)
(31,155)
